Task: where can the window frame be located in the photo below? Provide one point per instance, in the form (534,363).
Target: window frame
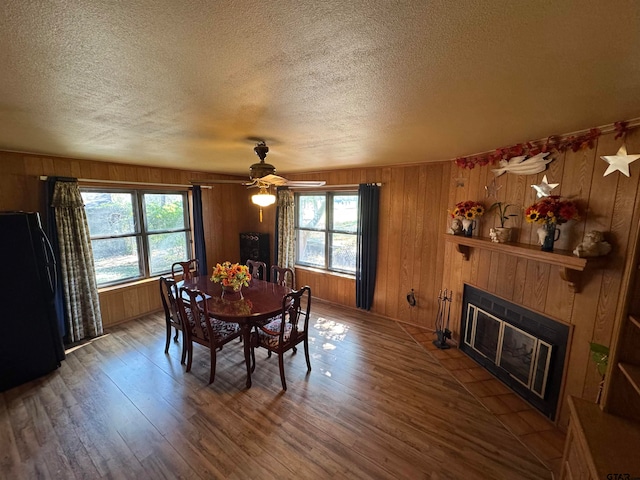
(141,233)
(329,229)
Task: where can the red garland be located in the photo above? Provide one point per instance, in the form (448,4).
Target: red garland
(621,129)
(553,144)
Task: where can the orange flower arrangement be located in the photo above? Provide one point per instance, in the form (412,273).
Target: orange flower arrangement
(552,210)
(231,275)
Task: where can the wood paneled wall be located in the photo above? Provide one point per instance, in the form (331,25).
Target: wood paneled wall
(226,212)
(414,205)
(413,253)
(607,204)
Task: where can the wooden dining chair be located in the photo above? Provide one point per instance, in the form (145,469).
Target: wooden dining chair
(168,295)
(203,329)
(279,276)
(257,269)
(287,331)
(188,269)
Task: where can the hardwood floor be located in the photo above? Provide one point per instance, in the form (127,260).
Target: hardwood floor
(376,405)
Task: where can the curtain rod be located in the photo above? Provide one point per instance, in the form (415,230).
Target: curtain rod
(122,182)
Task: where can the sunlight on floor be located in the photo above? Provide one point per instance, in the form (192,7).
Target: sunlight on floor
(83,343)
(331,330)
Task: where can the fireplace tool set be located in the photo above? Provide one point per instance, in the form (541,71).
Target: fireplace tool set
(442,328)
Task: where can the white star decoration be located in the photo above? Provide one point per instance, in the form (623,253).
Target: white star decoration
(544,188)
(620,161)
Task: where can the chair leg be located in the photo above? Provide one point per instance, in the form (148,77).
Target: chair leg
(189,355)
(184,349)
(253,359)
(212,376)
(166,345)
(281,364)
(306,353)
(175,339)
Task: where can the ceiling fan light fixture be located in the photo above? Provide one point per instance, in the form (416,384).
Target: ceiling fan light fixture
(261,169)
(263,198)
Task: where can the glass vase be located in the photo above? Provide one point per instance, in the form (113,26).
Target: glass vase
(232,293)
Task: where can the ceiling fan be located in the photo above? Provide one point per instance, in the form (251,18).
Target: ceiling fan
(262,174)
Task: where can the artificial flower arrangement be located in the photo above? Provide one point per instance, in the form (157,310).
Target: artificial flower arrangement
(467,210)
(231,275)
(552,210)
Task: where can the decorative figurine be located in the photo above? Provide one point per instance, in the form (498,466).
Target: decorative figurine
(593,245)
(456,226)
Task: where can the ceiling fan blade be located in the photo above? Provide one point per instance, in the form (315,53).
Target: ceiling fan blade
(220,181)
(281,181)
(274,180)
(305,183)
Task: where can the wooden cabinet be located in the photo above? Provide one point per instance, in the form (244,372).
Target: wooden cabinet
(622,393)
(604,441)
(255,246)
(599,444)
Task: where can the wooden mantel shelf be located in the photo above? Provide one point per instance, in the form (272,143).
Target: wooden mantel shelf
(570,265)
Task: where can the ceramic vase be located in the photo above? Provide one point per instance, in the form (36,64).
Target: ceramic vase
(468,226)
(500,234)
(547,236)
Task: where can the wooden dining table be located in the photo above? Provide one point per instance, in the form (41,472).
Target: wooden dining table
(260,301)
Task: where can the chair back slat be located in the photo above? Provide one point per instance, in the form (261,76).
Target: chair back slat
(279,275)
(194,312)
(257,269)
(187,270)
(293,310)
(168,294)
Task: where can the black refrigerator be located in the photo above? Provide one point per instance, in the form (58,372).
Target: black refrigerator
(30,341)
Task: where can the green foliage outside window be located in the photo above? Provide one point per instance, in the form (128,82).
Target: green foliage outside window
(135,232)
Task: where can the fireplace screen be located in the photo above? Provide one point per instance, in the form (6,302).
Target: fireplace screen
(524,357)
(523,349)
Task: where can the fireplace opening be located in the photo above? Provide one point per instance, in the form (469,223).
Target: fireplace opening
(524,349)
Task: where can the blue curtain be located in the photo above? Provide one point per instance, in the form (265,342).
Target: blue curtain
(198,231)
(367,255)
(51,230)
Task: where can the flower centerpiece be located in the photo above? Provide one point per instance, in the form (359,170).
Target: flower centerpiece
(550,212)
(232,276)
(467,212)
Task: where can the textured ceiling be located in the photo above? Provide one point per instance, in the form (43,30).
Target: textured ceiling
(329,84)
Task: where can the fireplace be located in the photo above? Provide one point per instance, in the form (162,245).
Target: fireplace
(523,349)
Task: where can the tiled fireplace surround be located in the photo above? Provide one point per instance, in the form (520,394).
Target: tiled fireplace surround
(528,424)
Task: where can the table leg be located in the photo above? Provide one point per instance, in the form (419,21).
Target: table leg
(246,338)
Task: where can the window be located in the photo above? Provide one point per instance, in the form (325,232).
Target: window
(136,234)
(326,228)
